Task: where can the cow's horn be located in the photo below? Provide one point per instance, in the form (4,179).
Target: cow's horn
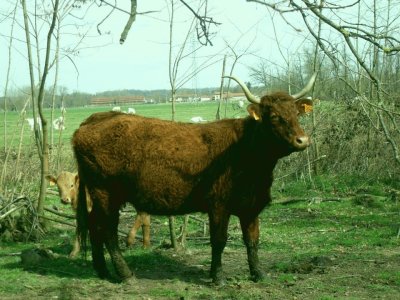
(249,95)
(307,88)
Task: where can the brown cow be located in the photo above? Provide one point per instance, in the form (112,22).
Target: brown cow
(68,183)
(222,168)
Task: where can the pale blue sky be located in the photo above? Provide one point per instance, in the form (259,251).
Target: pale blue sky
(142,62)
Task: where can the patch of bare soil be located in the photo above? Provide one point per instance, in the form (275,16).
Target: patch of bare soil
(166,274)
(162,273)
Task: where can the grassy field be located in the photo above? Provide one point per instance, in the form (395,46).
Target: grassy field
(333,237)
(74,116)
(322,243)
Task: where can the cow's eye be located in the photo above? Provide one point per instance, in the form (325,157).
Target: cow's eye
(72,185)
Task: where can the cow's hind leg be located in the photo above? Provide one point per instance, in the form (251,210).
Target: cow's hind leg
(218,235)
(96,234)
(111,241)
(251,233)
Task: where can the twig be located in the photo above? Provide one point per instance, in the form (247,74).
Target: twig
(198,219)
(311,162)
(11,211)
(204,23)
(56,270)
(59,213)
(13,202)
(311,199)
(132,18)
(52,192)
(11,254)
(57,221)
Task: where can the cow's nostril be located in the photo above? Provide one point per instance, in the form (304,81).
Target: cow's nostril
(302,141)
(66,200)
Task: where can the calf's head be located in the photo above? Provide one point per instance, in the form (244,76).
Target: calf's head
(67,184)
(278,114)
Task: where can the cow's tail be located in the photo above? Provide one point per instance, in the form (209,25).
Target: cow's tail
(82,215)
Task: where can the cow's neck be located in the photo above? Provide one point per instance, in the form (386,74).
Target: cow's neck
(258,156)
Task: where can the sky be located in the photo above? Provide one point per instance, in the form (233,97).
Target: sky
(99,63)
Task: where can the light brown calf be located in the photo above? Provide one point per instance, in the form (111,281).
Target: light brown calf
(68,184)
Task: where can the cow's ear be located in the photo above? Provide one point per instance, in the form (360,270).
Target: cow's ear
(254,111)
(304,106)
(76,181)
(52,180)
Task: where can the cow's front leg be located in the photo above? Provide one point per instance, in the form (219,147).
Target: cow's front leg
(218,236)
(251,233)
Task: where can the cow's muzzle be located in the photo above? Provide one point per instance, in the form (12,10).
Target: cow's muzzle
(301,142)
(65,200)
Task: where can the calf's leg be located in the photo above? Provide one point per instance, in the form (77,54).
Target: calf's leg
(146,229)
(251,233)
(76,248)
(218,236)
(132,234)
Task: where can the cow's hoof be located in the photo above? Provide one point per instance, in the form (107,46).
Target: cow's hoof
(104,275)
(218,281)
(257,276)
(129,280)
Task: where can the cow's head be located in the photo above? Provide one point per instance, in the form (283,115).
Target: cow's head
(67,184)
(278,113)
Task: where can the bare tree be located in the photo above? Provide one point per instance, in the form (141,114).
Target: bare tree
(41,135)
(367,44)
(10,45)
(179,73)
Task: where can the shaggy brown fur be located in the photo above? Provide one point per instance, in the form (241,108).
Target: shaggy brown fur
(221,168)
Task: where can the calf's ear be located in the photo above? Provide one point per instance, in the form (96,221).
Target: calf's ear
(254,111)
(76,181)
(51,179)
(304,106)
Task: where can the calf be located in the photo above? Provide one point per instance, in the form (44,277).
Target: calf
(68,183)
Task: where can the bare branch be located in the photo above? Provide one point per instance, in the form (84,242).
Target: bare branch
(132,18)
(204,23)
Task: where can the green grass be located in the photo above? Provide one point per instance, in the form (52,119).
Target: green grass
(309,250)
(323,238)
(75,115)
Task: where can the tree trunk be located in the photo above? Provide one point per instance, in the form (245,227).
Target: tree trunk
(221,90)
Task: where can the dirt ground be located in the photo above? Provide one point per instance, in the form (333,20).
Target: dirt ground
(332,269)
(165,274)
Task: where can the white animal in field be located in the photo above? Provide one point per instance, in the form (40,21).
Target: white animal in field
(197,120)
(31,125)
(241,103)
(116,108)
(131,111)
(58,124)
